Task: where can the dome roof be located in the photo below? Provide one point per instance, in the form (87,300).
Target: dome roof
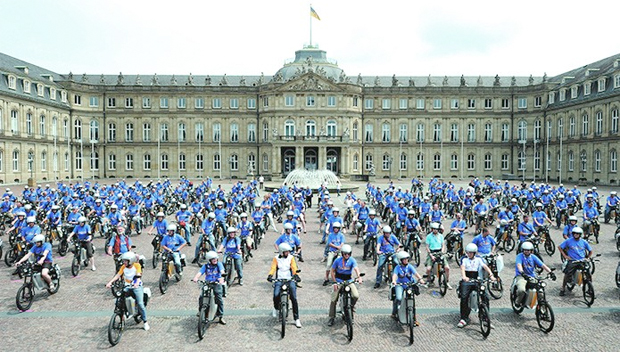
(310,59)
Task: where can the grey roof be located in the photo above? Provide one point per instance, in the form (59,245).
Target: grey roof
(593,71)
(165,80)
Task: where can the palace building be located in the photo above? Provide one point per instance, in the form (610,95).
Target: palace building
(309,114)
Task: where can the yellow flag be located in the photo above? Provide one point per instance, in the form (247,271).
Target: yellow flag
(314,14)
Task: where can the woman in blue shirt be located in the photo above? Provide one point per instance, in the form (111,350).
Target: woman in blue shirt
(403,273)
(213,270)
(231,245)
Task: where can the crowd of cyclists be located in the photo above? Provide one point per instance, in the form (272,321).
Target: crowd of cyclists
(390,225)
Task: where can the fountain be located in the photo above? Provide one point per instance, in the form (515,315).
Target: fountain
(314,179)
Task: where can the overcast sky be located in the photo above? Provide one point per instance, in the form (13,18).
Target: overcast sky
(247,37)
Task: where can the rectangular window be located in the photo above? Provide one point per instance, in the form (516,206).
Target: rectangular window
(505,162)
(182,133)
(436,104)
(12,82)
(419,163)
(454,132)
(454,162)
(111,132)
(585,126)
(571,126)
(146,132)
(386,163)
(386,104)
(216,103)
(28,85)
(111,162)
(573,92)
(164,162)
(613,161)
(128,103)
(29,123)
(454,104)
(355,101)
(587,88)
(488,161)
(551,97)
(488,103)
(234,162)
(251,103)
(288,100)
(217,162)
(522,103)
(601,85)
(146,103)
(471,132)
(234,103)
(129,132)
(368,133)
(217,129)
(419,104)
(617,81)
(199,103)
(331,100)
(356,162)
(147,162)
(471,103)
(265,162)
(402,133)
(182,162)
(436,162)
(562,94)
(537,160)
(537,102)
(93,102)
(368,164)
(420,133)
(111,102)
(53,93)
(471,162)
(310,100)
(163,103)
(505,132)
(436,132)
(402,104)
(200,162)
(385,133)
(163,132)
(614,121)
(199,127)
(252,132)
(488,132)
(265,131)
(234,132)
(77,99)
(265,102)
(181,103)
(505,103)
(369,104)
(355,131)
(129,162)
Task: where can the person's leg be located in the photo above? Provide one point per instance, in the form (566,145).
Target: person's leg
(276,295)
(239,268)
(332,305)
(293,296)
(198,247)
(380,264)
(466,289)
(139,295)
(218,291)
(520,284)
(176,257)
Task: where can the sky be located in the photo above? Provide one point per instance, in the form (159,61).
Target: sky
(247,37)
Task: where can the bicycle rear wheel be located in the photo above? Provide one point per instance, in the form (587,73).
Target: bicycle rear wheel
(509,244)
(443,283)
(411,323)
(496,289)
(545,317)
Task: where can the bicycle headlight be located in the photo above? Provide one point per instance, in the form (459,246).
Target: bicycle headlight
(482,288)
(543,284)
(409,291)
(347,288)
(284,287)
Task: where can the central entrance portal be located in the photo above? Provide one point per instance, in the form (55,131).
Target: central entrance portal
(310,158)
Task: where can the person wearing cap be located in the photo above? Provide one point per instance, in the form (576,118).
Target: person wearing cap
(290,219)
(18,223)
(213,271)
(611,204)
(184,218)
(231,246)
(471,267)
(335,241)
(404,273)
(131,273)
(386,245)
(573,249)
(327,213)
(84,235)
(172,244)
(342,269)
(42,252)
(284,267)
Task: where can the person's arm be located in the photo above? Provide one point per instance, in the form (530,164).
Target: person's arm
(463,276)
(488,270)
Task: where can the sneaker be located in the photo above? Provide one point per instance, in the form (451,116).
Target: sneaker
(562,293)
(52,287)
(274,313)
(298,323)
(323,260)
(222,321)
(195,261)
(147,327)
(301,259)
(377,286)
(326,282)
(395,317)
(461,324)
(240,281)
(93,268)
(330,322)
(449,286)
(416,323)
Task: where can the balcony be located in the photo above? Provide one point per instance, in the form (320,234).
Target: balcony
(313,138)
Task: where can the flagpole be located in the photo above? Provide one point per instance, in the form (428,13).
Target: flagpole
(310,25)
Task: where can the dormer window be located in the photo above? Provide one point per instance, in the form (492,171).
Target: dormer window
(27,86)
(587,88)
(40,89)
(562,94)
(601,85)
(53,93)
(573,92)
(63,96)
(617,81)
(12,82)
(551,97)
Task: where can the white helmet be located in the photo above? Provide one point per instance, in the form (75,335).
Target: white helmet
(572,218)
(171,227)
(27,206)
(372,212)
(402,255)
(161,213)
(346,249)
(411,212)
(31,219)
(471,248)
(231,229)
(539,205)
(513,200)
(336,225)
(82,219)
(114,206)
(578,230)
(434,225)
(212,215)
(527,246)
(243,215)
(291,213)
(284,247)
(130,256)
(183,206)
(288,226)
(387,229)
(335,209)
(211,255)
(38,238)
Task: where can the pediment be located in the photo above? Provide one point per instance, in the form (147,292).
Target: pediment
(310,82)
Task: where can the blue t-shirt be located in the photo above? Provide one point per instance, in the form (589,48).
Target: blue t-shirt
(576,249)
(160,226)
(173,242)
(212,272)
(485,244)
(38,251)
(82,231)
(291,239)
(344,268)
(529,263)
(231,245)
(405,274)
(336,239)
(388,245)
(372,225)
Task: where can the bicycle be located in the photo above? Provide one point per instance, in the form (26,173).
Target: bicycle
(438,270)
(535,299)
(370,247)
(157,250)
(583,277)
(495,262)
(33,281)
(388,267)
(454,245)
(478,301)
(284,298)
(406,311)
(344,305)
(207,308)
(79,257)
(18,249)
(545,237)
(124,308)
(414,246)
(506,239)
(168,270)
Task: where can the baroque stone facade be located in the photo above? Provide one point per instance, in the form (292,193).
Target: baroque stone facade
(309,114)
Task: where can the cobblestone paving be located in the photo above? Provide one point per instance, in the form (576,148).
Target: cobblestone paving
(77,317)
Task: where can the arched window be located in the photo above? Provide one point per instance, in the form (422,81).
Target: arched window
(356,160)
(332,129)
(471,161)
(15,160)
(597,161)
(521,160)
(182,161)
(571,160)
(77,129)
(94,130)
(488,161)
(251,163)
(43,160)
(403,161)
(522,131)
(613,160)
(385,132)
(614,121)
(419,162)
(1,160)
(182,132)
(164,162)
(289,128)
(42,126)
(310,128)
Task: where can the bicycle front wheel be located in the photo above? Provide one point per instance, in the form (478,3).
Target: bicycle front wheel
(348,319)
(588,293)
(283,311)
(485,320)
(545,317)
(115,328)
(411,323)
(203,321)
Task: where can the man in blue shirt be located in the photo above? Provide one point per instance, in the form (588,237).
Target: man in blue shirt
(184,218)
(231,246)
(611,204)
(572,249)
(486,244)
(213,270)
(42,252)
(590,215)
(403,273)
(525,230)
(172,243)
(335,241)
(387,245)
(342,270)
(526,262)
(84,235)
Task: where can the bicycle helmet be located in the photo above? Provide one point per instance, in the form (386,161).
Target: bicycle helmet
(372,212)
(513,200)
(97,200)
(55,207)
(183,206)
(171,227)
(527,246)
(561,196)
(539,205)
(336,225)
(211,215)
(211,255)
(129,256)
(346,249)
(231,229)
(21,213)
(387,229)
(572,218)
(435,226)
(335,210)
(288,226)
(27,206)
(82,219)
(411,212)
(612,193)
(243,215)
(290,213)
(284,247)
(578,230)
(161,214)
(471,248)
(38,238)
(114,206)
(402,255)
(30,219)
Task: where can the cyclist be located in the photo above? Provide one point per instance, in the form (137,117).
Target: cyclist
(471,266)
(525,231)
(120,243)
(435,245)
(485,243)
(292,239)
(335,241)
(84,235)
(132,274)
(403,273)
(213,270)
(412,228)
(246,228)
(611,203)
(342,270)
(173,243)
(540,217)
(526,262)
(160,225)
(30,230)
(283,266)
(568,229)
(42,252)
(231,245)
(371,227)
(572,249)
(386,245)
(184,218)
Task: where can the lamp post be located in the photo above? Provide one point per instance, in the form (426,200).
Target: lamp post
(390,160)
(584,160)
(230,161)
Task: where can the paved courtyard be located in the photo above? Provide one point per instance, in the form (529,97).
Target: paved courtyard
(77,316)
